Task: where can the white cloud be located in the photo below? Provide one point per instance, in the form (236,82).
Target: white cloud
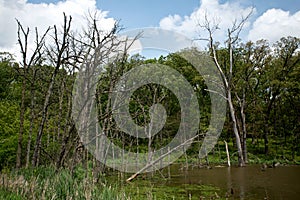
(274,24)
(223,14)
(171,21)
(42,16)
(271,25)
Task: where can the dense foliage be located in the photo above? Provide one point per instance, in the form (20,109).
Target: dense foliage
(266,77)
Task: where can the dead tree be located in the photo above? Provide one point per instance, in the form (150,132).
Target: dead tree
(58,55)
(94,49)
(233,36)
(26,63)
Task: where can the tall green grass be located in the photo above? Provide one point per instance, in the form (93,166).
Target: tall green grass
(46,183)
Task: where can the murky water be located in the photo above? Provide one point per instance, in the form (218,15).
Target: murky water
(249,182)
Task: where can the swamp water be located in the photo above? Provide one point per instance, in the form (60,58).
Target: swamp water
(251,182)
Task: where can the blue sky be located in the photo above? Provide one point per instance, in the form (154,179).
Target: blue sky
(144,13)
(141,13)
(271,19)
(136,13)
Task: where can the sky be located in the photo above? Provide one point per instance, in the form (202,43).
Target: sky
(271,19)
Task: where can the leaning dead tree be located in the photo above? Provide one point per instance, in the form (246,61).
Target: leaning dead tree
(102,51)
(153,162)
(232,38)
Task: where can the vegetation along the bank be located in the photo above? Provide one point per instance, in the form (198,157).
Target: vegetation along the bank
(43,157)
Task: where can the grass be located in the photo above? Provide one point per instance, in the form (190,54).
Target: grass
(46,183)
(4,194)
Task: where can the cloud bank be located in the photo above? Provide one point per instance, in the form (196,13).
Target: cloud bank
(222,14)
(274,24)
(271,25)
(42,16)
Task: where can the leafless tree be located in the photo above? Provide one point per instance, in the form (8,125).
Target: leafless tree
(232,38)
(27,62)
(58,55)
(101,51)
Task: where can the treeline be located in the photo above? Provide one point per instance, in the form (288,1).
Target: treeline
(36,125)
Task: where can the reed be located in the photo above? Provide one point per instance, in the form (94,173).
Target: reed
(45,183)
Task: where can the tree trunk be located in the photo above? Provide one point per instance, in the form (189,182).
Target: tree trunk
(244,142)
(227,153)
(22,113)
(58,59)
(244,129)
(33,60)
(44,118)
(61,99)
(235,129)
(68,131)
(63,149)
(32,117)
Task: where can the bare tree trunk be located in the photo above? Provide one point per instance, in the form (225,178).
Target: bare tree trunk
(69,129)
(22,113)
(61,47)
(60,109)
(235,130)
(244,128)
(233,35)
(227,153)
(229,98)
(23,46)
(44,118)
(32,93)
(33,60)
(63,149)
(231,41)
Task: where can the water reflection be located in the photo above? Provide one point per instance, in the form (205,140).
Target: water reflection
(244,183)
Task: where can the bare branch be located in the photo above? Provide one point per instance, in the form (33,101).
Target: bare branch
(218,93)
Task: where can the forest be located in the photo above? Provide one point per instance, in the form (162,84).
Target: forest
(42,155)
